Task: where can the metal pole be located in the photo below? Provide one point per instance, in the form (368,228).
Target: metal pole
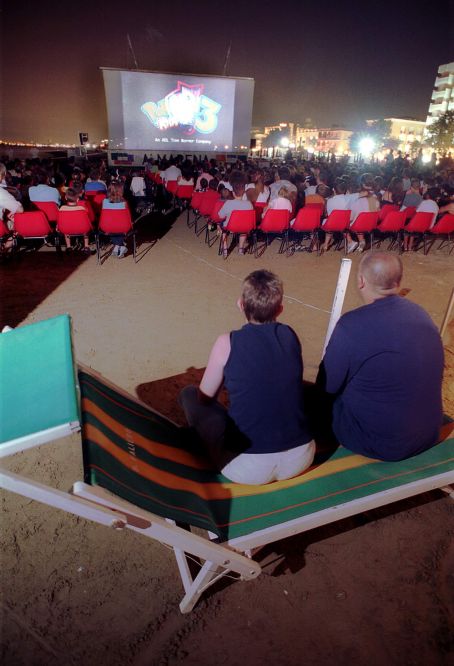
(341,288)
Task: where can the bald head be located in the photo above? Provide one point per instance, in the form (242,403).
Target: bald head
(380,274)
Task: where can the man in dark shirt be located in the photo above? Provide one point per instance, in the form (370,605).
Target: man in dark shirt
(384,367)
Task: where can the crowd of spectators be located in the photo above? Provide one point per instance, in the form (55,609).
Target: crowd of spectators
(334,183)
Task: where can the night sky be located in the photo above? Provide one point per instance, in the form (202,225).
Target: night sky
(334,62)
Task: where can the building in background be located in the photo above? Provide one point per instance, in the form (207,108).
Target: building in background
(404,132)
(443,93)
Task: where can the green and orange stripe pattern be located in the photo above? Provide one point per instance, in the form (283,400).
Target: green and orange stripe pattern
(143,458)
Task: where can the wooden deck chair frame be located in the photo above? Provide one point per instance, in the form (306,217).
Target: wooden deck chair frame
(219,559)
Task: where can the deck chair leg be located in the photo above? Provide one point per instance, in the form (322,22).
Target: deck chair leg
(207,575)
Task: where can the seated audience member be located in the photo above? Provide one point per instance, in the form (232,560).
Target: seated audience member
(72,203)
(42,191)
(7,201)
(366,202)
(413,195)
(257,191)
(202,184)
(384,367)
(115,201)
(186,177)
(428,205)
(394,193)
(94,184)
(203,176)
(172,172)
(138,185)
(237,203)
(263,436)
(281,202)
(337,202)
(282,180)
(322,191)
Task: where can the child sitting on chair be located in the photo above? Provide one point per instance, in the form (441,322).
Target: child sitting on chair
(264,435)
(72,203)
(281,202)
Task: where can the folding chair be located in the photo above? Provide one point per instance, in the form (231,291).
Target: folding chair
(74,223)
(365,223)
(34,225)
(275,223)
(444,227)
(194,206)
(393,225)
(338,221)
(139,475)
(206,204)
(114,223)
(419,226)
(307,223)
(241,223)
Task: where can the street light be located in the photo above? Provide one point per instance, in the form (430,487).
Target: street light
(366,146)
(285,142)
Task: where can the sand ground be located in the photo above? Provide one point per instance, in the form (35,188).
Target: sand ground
(377,588)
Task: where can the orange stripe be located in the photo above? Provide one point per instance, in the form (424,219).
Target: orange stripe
(158,449)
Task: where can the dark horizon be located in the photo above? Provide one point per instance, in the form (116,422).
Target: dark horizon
(335,65)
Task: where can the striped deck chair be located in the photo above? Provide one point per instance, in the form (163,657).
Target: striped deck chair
(141,473)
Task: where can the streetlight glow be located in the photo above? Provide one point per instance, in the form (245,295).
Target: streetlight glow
(366,146)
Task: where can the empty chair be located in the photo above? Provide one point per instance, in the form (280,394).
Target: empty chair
(307,223)
(241,223)
(338,221)
(418,227)
(74,224)
(114,223)
(392,226)
(33,225)
(444,227)
(275,223)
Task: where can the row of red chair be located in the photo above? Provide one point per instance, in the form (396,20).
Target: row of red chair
(391,222)
(35,225)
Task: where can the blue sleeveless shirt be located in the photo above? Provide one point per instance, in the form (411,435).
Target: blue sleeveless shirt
(264,379)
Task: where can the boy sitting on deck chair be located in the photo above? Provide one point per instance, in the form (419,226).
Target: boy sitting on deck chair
(264,435)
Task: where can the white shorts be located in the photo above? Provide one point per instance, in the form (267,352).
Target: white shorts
(257,468)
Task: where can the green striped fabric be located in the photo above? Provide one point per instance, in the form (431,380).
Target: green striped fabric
(144,458)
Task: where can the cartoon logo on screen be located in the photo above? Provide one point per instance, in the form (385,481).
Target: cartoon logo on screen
(185,107)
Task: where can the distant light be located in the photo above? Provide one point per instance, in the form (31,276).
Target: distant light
(226,147)
(426,158)
(285,142)
(366,146)
(310,149)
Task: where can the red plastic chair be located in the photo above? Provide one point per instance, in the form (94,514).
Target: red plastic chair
(171,186)
(33,225)
(365,223)
(184,193)
(74,223)
(444,227)
(393,225)
(258,207)
(214,219)
(307,223)
(419,225)
(206,203)
(194,206)
(386,210)
(338,221)
(49,208)
(409,212)
(275,222)
(114,223)
(6,235)
(241,222)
